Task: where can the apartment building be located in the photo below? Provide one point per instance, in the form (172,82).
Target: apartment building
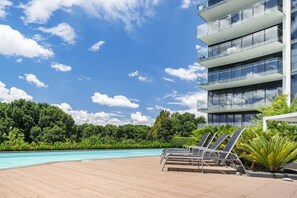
(251,56)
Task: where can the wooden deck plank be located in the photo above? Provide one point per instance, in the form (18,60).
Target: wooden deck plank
(132,177)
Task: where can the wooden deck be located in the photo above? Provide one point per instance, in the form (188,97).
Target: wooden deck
(133,177)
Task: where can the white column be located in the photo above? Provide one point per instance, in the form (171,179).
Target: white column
(287,49)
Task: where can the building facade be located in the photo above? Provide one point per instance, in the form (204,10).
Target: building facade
(251,56)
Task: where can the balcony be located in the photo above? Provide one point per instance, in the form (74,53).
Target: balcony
(207,107)
(255,45)
(240,99)
(256,73)
(214,9)
(258,16)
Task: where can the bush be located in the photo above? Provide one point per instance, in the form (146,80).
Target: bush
(272,151)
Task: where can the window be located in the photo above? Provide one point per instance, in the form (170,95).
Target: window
(247,41)
(259,67)
(259,9)
(259,37)
(294,57)
(225,22)
(247,14)
(271,34)
(294,4)
(294,86)
(235,18)
(294,26)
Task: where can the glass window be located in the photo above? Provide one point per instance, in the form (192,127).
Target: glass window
(236,72)
(259,9)
(294,4)
(225,22)
(259,37)
(235,18)
(216,98)
(213,51)
(271,4)
(237,97)
(216,119)
(248,119)
(247,41)
(213,26)
(259,96)
(294,26)
(223,99)
(236,45)
(223,118)
(272,65)
(294,57)
(225,75)
(210,121)
(247,71)
(230,119)
(249,96)
(294,86)
(225,48)
(237,119)
(229,98)
(271,34)
(247,14)
(259,67)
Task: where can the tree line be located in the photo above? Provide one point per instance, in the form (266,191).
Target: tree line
(26,122)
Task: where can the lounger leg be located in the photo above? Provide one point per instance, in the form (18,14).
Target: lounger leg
(164,164)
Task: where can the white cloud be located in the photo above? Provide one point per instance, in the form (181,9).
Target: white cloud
(63,30)
(96,47)
(173,94)
(98,118)
(82,77)
(190,99)
(61,67)
(138,118)
(127,12)
(150,108)
(38,37)
(192,73)
(116,101)
(140,77)
(168,79)
(13,43)
(185,4)
(32,79)
(3,5)
(19,60)
(9,95)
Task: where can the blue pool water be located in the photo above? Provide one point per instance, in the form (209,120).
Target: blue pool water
(19,159)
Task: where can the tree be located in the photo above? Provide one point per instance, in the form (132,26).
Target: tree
(164,115)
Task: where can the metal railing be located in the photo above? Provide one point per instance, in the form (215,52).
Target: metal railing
(261,68)
(251,41)
(231,20)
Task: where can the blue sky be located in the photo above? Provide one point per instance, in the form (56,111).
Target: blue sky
(102,61)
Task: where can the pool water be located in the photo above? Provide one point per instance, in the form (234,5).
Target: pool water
(19,159)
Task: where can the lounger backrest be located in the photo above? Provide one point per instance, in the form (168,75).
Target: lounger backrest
(219,141)
(203,140)
(211,139)
(231,143)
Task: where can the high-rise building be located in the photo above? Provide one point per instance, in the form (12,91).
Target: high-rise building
(250,54)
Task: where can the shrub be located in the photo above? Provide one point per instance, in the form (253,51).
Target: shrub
(270,151)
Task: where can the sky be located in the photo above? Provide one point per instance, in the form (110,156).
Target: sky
(102,61)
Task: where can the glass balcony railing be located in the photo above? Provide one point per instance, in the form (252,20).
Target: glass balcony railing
(207,4)
(251,41)
(231,20)
(261,68)
(225,106)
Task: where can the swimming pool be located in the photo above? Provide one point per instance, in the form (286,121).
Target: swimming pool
(20,159)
